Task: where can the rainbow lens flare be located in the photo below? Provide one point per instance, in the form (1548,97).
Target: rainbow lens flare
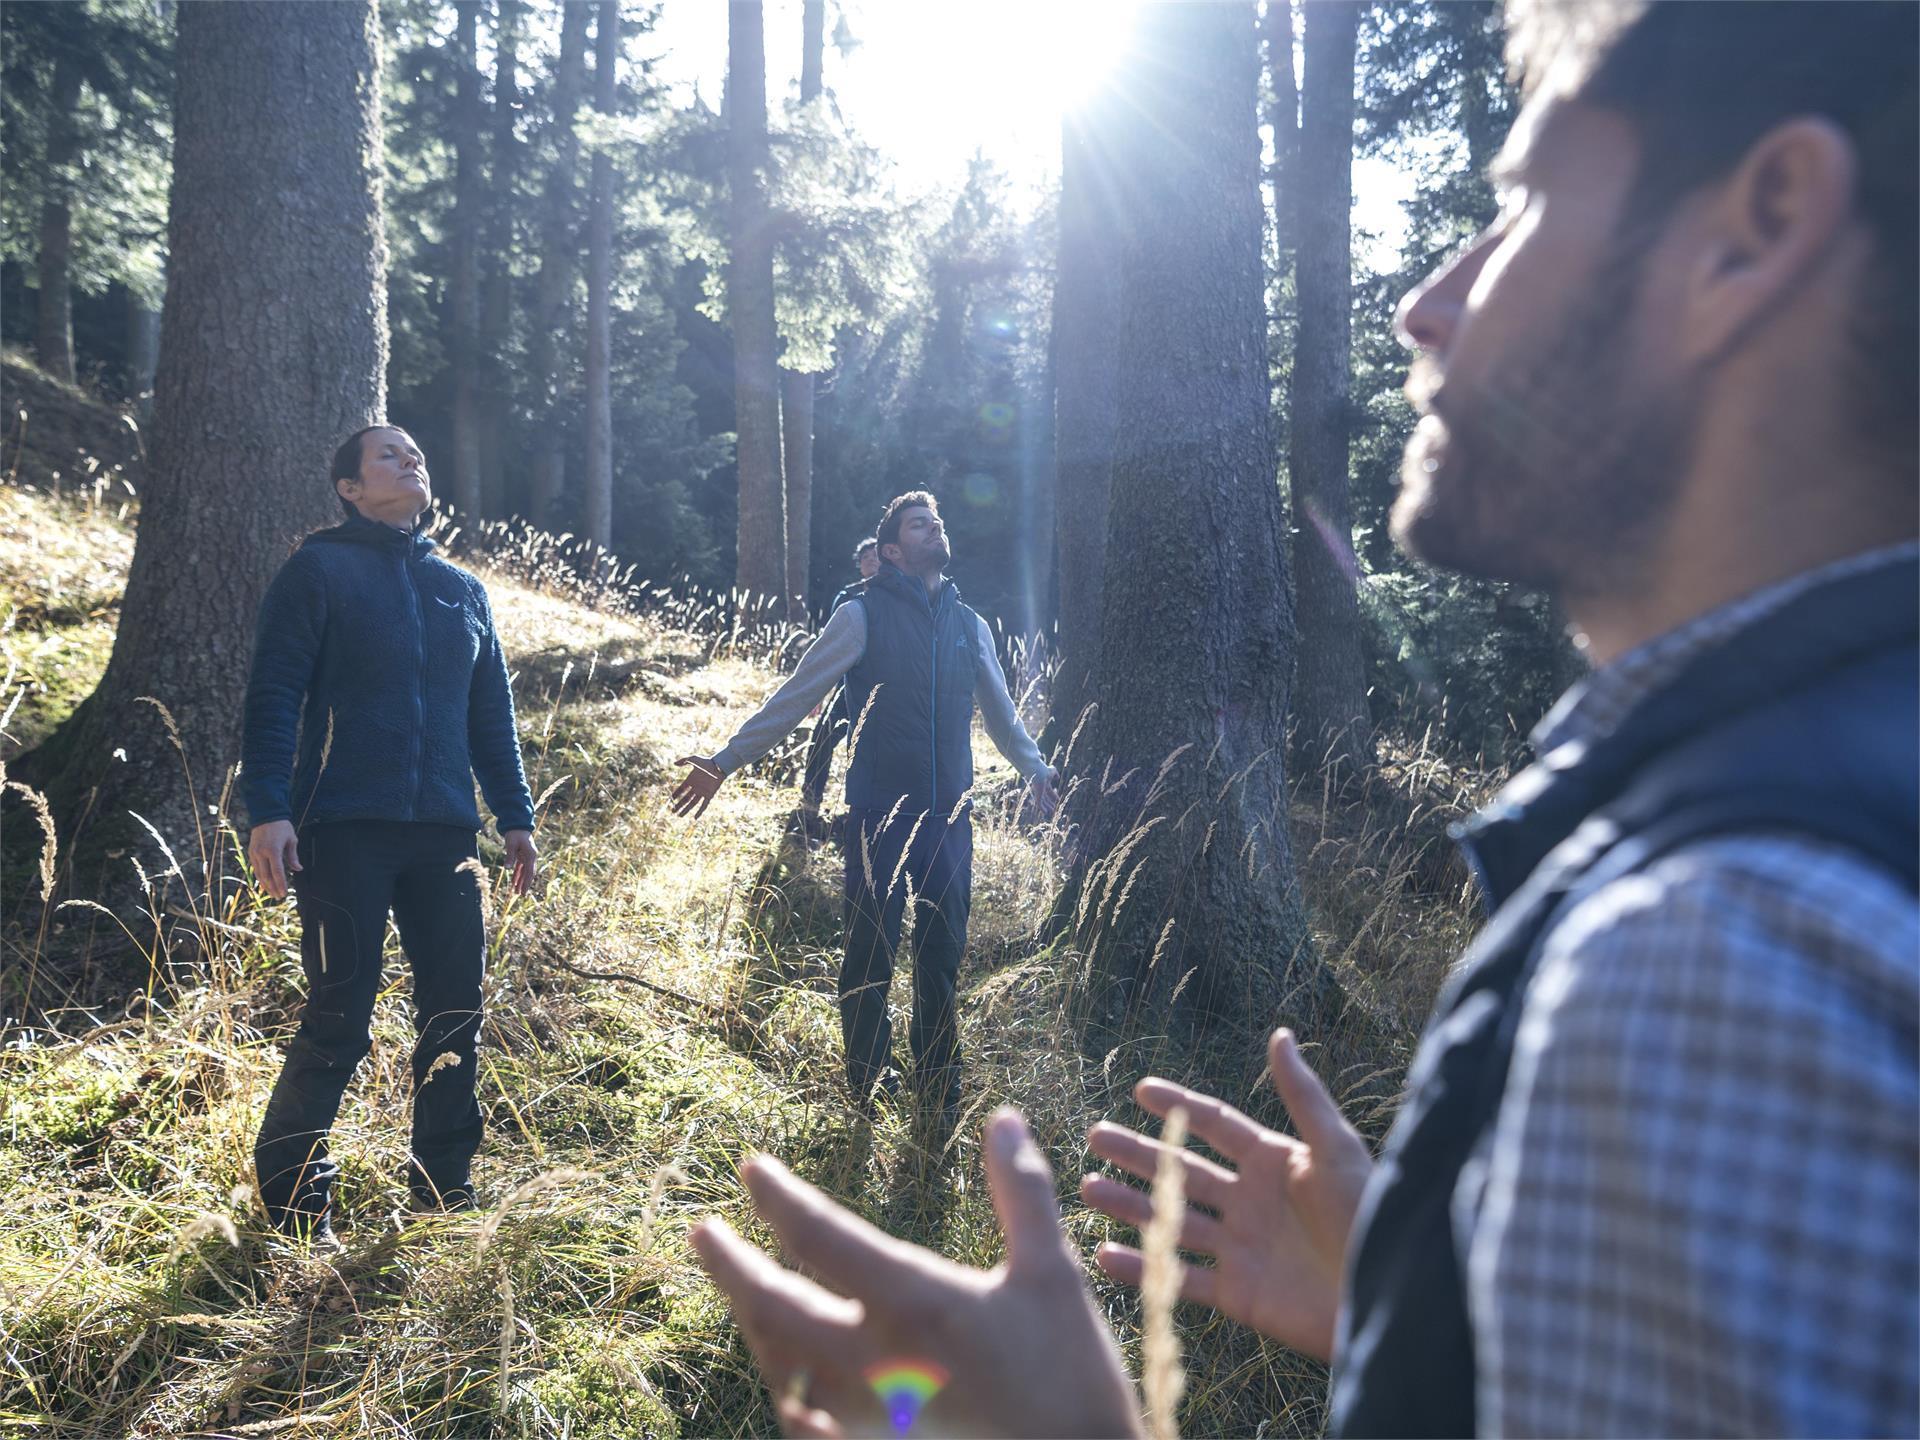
(904,1387)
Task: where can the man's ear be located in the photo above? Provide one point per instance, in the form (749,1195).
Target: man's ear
(892,559)
(1772,224)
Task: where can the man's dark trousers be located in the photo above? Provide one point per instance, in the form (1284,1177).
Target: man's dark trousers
(352,873)
(886,857)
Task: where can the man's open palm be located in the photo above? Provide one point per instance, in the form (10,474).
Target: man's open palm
(1276,1225)
(1022,1347)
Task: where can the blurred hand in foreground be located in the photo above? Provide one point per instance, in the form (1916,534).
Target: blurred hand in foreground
(1276,1225)
(1021,1348)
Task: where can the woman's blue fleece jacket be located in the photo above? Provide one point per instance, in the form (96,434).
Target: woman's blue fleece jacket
(367,634)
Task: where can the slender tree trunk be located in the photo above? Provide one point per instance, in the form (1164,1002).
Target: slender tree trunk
(54,340)
(1331,724)
(273,347)
(1284,116)
(597,519)
(1086,316)
(760,559)
(496,293)
(463,288)
(553,286)
(143,353)
(796,386)
(1184,883)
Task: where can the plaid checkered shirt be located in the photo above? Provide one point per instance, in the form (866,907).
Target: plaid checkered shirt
(1702,1214)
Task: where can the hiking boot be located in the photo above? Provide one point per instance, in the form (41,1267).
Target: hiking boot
(453,1200)
(887,1086)
(315,1230)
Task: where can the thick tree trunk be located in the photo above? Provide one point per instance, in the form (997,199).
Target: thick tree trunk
(597,516)
(553,286)
(1185,881)
(796,386)
(496,291)
(1331,724)
(463,286)
(760,559)
(54,336)
(273,348)
(1086,299)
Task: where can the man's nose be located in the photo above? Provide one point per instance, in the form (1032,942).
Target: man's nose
(1428,313)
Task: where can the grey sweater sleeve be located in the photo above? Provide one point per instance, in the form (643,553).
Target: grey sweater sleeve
(1009,736)
(837,651)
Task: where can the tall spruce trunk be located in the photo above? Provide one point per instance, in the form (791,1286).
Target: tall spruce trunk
(496,288)
(143,353)
(1331,724)
(1184,880)
(597,513)
(796,386)
(53,342)
(550,324)
(761,556)
(463,285)
(1283,115)
(273,346)
(1086,298)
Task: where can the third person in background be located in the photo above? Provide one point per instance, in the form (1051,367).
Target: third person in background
(915,659)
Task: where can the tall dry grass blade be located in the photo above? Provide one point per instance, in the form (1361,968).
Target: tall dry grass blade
(43,815)
(1163,1378)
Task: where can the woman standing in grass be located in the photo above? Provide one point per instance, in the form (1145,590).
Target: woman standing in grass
(378,663)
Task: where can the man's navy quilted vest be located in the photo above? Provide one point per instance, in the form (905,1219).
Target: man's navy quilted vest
(1804,722)
(915,744)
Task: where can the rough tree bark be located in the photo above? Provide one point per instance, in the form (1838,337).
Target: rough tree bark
(1184,881)
(597,513)
(463,282)
(1086,301)
(553,286)
(496,289)
(1331,724)
(760,559)
(796,386)
(53,341)
(273,346)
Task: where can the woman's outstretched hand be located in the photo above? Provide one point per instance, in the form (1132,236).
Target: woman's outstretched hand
(1275,1226)
(1017,1350)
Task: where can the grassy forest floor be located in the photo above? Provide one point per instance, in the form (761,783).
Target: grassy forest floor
(661,1008)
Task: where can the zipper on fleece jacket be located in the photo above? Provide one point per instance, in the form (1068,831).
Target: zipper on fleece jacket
(416,741)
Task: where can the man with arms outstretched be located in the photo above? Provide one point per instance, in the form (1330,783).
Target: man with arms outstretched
(915,658)
(1658,1168)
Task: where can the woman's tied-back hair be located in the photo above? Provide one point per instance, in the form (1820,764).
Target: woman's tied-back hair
(1700,83)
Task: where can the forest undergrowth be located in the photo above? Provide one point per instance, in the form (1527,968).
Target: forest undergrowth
(661,1008)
